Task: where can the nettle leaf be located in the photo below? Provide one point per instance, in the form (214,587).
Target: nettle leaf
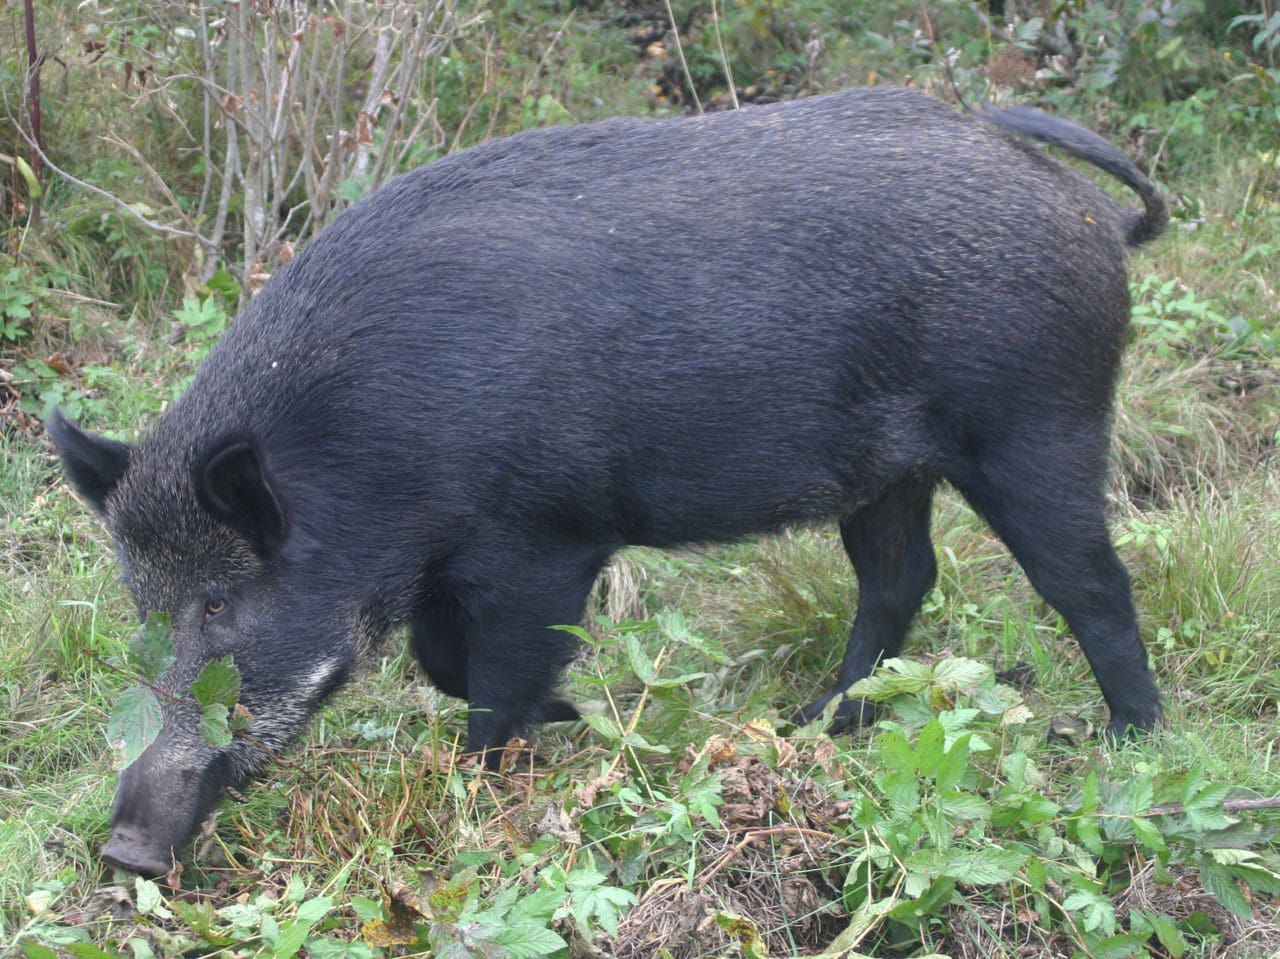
(894,677)
(218,682)
(959,673)
(135,723)
(215,724)
(640,662)
(983,867)
(962,805)
(1222,884)
(1121,946)
(1148,834)
(604,726)
(525,941)
(1204,810)
(151,648)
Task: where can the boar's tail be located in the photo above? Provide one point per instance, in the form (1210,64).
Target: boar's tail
(1087,145)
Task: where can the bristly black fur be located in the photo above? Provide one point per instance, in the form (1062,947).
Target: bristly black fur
(1087,145)
(474,386)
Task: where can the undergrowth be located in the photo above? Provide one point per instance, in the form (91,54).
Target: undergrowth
(686,815)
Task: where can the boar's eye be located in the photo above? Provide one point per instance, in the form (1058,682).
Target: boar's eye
(214,606)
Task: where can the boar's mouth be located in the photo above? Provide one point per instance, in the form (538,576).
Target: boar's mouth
(159,807)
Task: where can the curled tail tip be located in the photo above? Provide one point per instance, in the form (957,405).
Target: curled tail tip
(1147,224)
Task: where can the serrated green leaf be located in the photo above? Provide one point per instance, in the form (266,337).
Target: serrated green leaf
(290,938)
(366,908)
(928,753)
(135,723)
(982,867)
(1258,877)
(636,741)
(1089,794)
(961,805)
(214,724)
(1141,794)
(638,659)
(957,674)
(526,941)
(1089,835)
(1095,911)
(902,789)
(539,906)
(1146,832)
(896,752)
(146,896)
(894,677)
(151,648)
(671,682)
(1204,811)
(313,910)
(87,950)
(604,725)
(218,682)
(954,764)
(34,950)
(141,948)
(1168,934)
(1222,884)
(1120,947)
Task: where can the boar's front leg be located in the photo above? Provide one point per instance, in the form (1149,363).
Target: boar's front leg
(438,636)
(513,655)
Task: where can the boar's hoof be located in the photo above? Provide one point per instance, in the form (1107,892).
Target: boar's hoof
(132,850)
(850,714)
(555,710)
(1122,728)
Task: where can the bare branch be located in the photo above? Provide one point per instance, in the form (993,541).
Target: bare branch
(98,191)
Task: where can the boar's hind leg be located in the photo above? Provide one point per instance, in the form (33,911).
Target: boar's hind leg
(1044,498)
(888,542)
(514,656)
(438,635)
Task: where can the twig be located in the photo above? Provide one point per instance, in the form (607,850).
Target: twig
(34,62)
(724,57)
(684,65)
(33,70)
(1230,805)
(98,191)
(80,297)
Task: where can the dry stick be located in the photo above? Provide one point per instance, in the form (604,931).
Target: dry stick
(147,168)
(98,191)
(724,57)
(33,106)
(1229,805)
(675,31)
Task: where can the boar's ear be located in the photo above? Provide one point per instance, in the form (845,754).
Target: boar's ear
(94,464)
(232,485)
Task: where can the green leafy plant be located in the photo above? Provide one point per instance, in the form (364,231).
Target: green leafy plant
(137,719)
(205,320)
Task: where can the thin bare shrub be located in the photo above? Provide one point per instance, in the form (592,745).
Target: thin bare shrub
(288,111)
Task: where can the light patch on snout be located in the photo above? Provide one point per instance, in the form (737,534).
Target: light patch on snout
(320,678)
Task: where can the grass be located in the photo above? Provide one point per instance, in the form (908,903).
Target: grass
(686,812)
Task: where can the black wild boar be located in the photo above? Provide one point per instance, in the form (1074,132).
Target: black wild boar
(479,383)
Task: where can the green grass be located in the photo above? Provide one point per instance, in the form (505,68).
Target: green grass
(686,811)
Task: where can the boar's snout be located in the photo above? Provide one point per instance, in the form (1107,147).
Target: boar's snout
(160,801)
(131,848)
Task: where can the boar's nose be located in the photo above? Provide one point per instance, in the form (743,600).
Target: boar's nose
(131,848)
